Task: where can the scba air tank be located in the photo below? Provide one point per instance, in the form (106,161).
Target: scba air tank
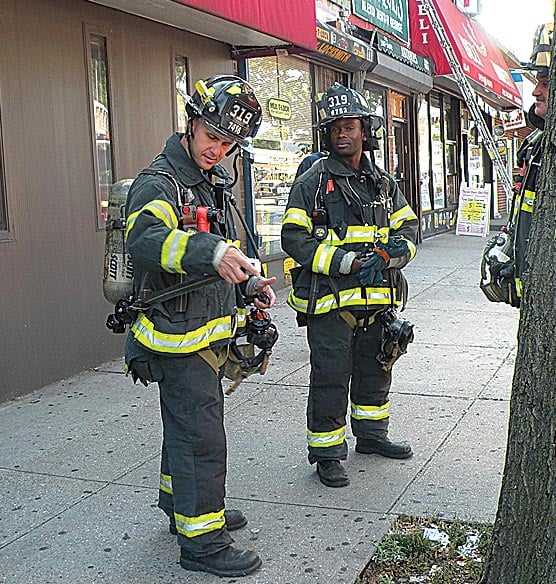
(118,268)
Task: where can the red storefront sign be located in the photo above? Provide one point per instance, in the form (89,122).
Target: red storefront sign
(476,51)
(293,21)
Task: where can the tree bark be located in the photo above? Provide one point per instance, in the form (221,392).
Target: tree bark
(524,539)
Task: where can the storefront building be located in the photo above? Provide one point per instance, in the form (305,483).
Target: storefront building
(288,83)
(395,85)
(451,150)
(89,94)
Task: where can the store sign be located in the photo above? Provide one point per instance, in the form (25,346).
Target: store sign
(342,47)
(388,15)
(396,51)
(514,120)
(279,108)
(473,211)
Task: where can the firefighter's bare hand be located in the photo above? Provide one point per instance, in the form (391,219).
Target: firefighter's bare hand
(235,267)
(264,291)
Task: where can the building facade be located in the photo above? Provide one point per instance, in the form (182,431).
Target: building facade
(89,92)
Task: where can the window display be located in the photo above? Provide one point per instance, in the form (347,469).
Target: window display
(424,155)
(283,87)
(376,100)
(437,153)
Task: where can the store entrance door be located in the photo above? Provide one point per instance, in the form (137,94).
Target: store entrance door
(400,167)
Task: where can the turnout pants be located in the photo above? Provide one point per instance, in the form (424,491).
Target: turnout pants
(193,465)
(343,364)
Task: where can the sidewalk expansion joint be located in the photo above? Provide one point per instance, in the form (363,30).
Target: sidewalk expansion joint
(465,411)
(53,475)
(308,506)
(49,519)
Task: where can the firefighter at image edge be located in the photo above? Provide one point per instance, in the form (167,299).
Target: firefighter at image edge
(504,265)
(181,343)
(350,229)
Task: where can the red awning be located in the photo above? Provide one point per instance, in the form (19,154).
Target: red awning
(476,51)
(291,21)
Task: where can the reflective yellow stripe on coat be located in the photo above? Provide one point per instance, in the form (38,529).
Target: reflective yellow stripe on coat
(299,217)
(397,218)
(350,297)
(201,338)
(173,250)
(326,439)
(528,203)
(160,209)
(323,258)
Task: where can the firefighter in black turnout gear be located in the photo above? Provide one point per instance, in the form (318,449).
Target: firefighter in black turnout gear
(350,229)
(504,266)
(181,343)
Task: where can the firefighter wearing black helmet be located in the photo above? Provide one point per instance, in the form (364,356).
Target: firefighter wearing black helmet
(504,265)
(181,343)
(531,153)
(350,229)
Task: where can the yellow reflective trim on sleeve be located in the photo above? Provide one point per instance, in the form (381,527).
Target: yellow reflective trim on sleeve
(412,248)
(399,217)
(166,484)
(326,439)
(173,250)
(528,204)
(519,287)
(299,217)
(199,525)
(162,210)
(323,258)
(201,338)
(130,222)
(370,412)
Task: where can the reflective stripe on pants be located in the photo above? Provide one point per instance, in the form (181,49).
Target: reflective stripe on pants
(341,358)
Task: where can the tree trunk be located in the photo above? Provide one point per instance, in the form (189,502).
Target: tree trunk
(524,540)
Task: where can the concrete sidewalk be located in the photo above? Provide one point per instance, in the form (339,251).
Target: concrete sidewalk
(79,459)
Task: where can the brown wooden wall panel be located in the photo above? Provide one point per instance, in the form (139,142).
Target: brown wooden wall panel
(51,308)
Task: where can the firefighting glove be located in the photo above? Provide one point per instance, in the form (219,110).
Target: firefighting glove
(371,271)
(396,247)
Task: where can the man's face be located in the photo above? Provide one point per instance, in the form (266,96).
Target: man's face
(207,148)
(346,136)
(540,93)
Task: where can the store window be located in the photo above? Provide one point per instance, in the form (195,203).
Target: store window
(451,132)
(475,157)
(377,104)
(283,87)
(181,91)
(99,91)
(437,152)
(424,155)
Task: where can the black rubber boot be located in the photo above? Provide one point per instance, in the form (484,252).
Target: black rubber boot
(234,518)
(384,447)
(332,473)
(229,562)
